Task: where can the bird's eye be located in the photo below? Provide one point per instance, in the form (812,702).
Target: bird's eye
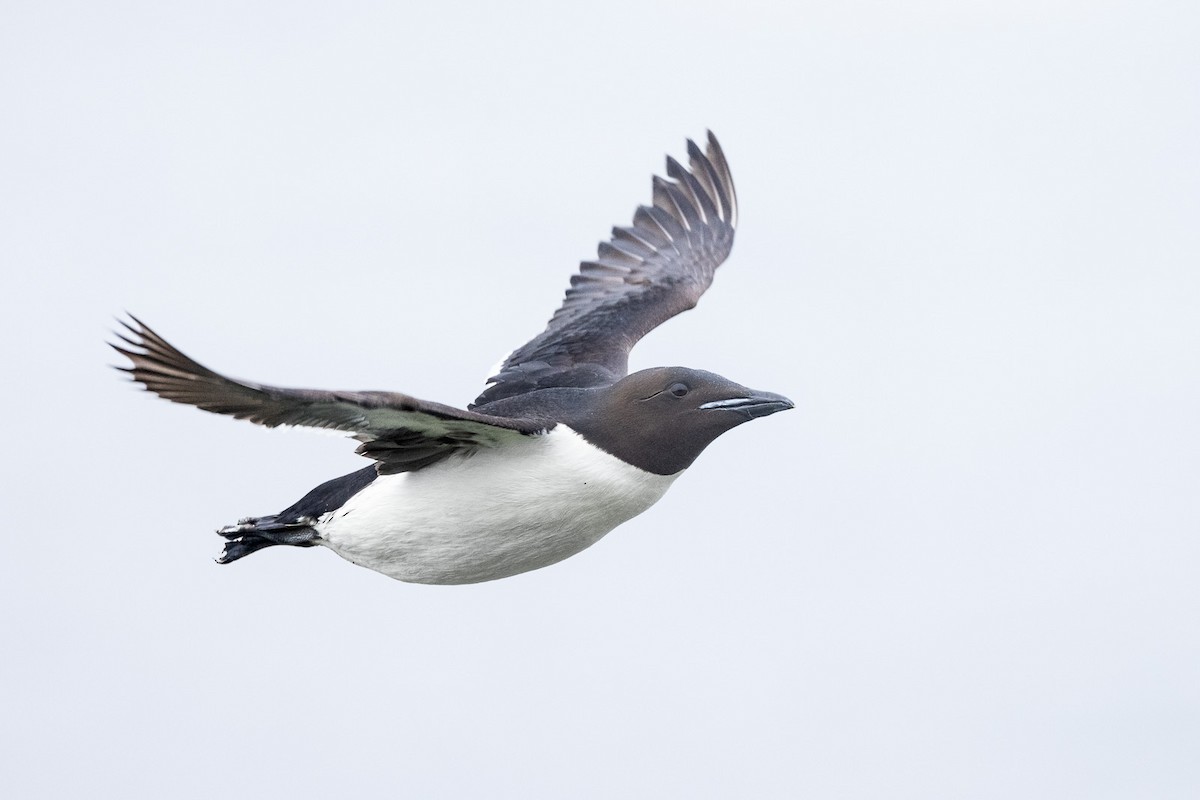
(678,389)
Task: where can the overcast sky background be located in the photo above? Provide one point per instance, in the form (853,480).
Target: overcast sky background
(966,566)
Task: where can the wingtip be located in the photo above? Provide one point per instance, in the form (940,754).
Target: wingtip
(130,344)
(125,317)
(124,333)
(716,156)
(121,346)
(140,329)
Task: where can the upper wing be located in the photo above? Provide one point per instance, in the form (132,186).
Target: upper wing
(643,276)
(400,432)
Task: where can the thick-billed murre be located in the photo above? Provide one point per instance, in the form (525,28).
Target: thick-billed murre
(561,447)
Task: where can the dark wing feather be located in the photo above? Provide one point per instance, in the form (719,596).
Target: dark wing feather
(646,274)
(400,432)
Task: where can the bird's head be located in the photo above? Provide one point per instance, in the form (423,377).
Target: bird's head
(661,419)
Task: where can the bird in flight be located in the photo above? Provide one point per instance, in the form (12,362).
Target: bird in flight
(561,447)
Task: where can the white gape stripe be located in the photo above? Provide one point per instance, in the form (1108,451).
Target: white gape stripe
(732,402)
(497,512)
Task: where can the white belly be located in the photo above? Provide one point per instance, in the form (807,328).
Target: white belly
(492,514)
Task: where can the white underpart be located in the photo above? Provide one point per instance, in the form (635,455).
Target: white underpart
(497,512)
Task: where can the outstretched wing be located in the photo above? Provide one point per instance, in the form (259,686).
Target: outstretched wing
(646,274)
(401,433)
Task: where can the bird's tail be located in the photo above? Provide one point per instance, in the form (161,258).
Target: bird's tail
(252,534)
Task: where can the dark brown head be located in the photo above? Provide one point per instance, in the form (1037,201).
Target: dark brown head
(661,419)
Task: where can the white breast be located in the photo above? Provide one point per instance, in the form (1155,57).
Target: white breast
(494,513)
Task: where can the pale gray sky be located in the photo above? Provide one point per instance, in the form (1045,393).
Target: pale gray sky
(965,567)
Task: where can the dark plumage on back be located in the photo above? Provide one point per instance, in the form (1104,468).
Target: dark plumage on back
(646,274)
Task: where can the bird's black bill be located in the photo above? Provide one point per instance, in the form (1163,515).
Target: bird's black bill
(757,404)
